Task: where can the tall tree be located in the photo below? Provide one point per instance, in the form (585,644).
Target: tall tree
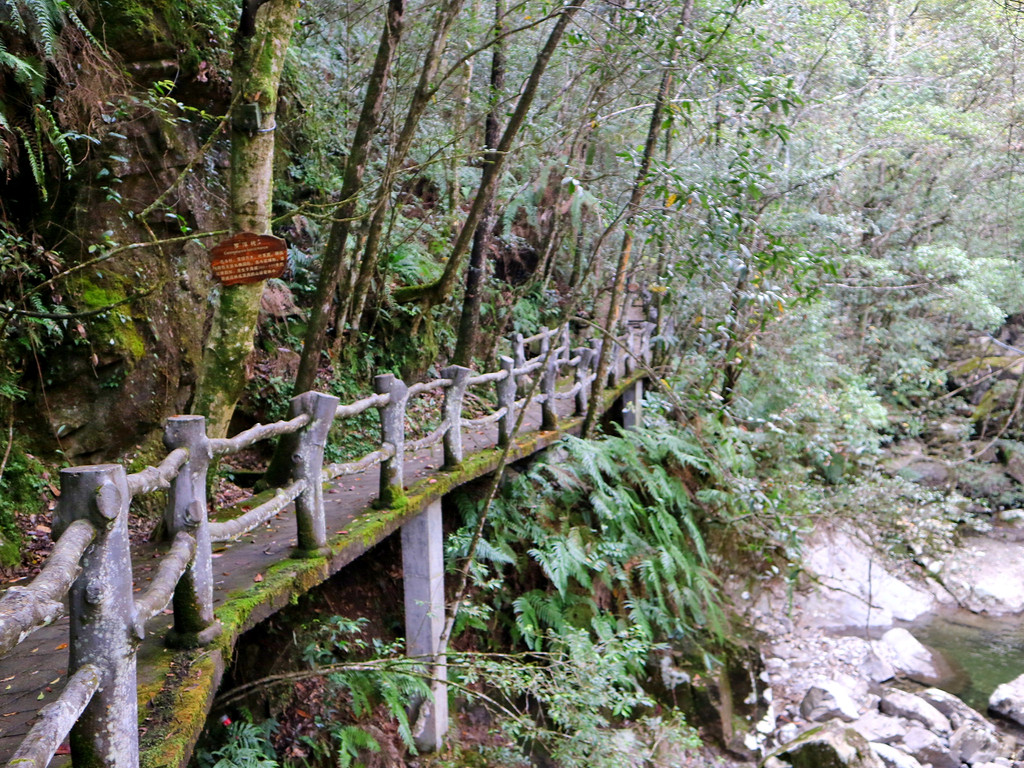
(260,45)
(426,88)
(640,182)
(465,345)
(352,184)
(436,292)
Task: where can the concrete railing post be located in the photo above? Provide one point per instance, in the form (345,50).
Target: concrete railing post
(102,611)
(628,356)
(668,331)
(586,355)
(614,361)
(507,399)
(308,464)
(564,344)
(452,410)
(647,348)
(423,581)
(519,350)
(545,341)
(194,622)
(392,432)
(548,385)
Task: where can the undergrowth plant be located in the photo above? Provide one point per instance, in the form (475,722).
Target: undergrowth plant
(245,745)
(580,702)
(578,695)
(614,528)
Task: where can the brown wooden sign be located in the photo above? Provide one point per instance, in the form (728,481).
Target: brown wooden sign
(248,258)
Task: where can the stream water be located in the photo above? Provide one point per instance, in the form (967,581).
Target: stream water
(985,651)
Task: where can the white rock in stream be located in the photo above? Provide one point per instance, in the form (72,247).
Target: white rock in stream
(1013,516)
(954,708)
(904,652)
(903,704)
(827,700)
(1008,700)
(974,744)
(854,588)
(876,727)
(894,758)
(927,747)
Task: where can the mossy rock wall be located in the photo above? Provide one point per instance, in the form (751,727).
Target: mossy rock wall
(124,371)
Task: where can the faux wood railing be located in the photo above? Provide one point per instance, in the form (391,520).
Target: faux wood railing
(91,560)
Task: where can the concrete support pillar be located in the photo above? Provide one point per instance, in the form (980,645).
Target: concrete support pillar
(631,401)
(194,622)
(423,578)
(102,608)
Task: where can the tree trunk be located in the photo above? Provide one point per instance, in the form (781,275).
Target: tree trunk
(465,346)
(625,251)
(425,90)
(261,42)
(334,253)
(436,292)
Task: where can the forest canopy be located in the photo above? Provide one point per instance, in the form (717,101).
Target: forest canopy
(813,200)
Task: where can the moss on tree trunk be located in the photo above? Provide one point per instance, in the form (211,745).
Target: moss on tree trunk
(261,43)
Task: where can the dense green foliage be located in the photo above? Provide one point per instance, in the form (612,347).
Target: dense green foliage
(614,527)
(827,237)
(854,187)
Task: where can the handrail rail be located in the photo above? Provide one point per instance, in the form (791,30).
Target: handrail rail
(253,435)
(57,718)
(91,561)
(25,609)
(155,478)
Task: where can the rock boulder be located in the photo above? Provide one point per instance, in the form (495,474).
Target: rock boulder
(894,758)
(902,704)
(828,700)
(973,744)
(1008,700)
(928,747)
(831,746)
(954,709)
(908,656)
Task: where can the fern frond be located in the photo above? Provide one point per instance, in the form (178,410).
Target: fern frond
(495,554)
(35,160)
(76,21)
(22,71)
(527,621)
(46,19)
(46,124)
(349,740)
(14,17)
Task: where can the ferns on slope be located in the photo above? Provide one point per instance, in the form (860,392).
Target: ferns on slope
(614,529)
